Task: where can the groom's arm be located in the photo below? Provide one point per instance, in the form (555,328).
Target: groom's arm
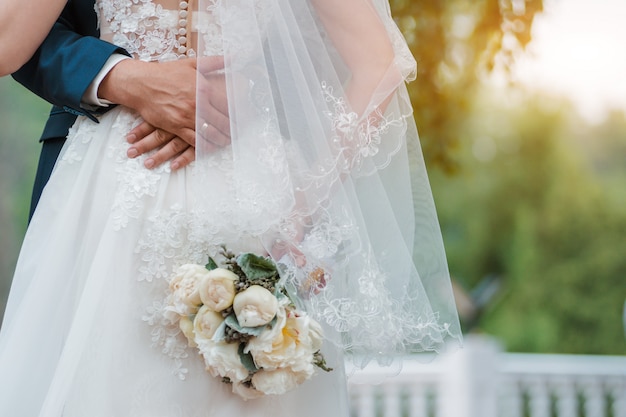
(65,65)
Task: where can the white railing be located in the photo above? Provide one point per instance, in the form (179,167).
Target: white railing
(481,381)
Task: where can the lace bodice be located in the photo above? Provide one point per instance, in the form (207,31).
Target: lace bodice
(166,30)
(163,30)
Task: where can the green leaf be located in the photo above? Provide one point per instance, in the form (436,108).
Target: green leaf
(246,359)
(220,333)
(320,361)
(211,265)
(257,267)
(231,321)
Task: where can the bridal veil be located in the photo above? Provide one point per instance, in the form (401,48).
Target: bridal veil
(328,167)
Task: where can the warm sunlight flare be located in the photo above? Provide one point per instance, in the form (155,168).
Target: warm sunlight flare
(578,50)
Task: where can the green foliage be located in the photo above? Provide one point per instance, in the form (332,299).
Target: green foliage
(232,322)
(211,264)
(538,215)
(21,116)
(257,267)
(246,359)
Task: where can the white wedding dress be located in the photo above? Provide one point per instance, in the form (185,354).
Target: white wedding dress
(85,333)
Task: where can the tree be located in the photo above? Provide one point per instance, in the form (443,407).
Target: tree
(456,43)
(535,214)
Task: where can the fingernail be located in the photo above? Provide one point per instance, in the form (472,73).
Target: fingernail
(131,138)
(149,163)
(132,153)
(175,165)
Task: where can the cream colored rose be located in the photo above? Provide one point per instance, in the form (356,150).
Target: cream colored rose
(206,323)
(186,325)
(218,289)
(290,343)
(255,306)
(222,360)
(185,287)
(278,382)
(316,334)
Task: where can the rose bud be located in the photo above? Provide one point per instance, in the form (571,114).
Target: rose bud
(218,290)
(255,306)
(206,322)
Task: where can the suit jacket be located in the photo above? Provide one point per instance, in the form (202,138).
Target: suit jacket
(60,71)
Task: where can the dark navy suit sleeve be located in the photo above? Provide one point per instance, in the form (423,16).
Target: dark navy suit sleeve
(60,71)
(67,62)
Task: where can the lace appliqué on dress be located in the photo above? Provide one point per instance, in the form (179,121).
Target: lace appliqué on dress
(166,244)
(135,182)
(78,138)
(143,28)
(167,336)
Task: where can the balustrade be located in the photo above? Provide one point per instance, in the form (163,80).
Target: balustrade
(482,381)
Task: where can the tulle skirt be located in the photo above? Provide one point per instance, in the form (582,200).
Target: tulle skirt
(84,333)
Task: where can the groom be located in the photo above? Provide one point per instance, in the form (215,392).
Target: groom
(82,75)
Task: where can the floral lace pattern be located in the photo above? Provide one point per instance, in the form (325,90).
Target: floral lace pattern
(145,29)
(358,139)
(150,32)
(78,139)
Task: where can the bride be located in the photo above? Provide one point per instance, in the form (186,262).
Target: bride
(104,317)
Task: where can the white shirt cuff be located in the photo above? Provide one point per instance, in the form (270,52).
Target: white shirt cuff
(90,98)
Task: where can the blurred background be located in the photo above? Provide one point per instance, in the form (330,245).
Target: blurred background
(521,109)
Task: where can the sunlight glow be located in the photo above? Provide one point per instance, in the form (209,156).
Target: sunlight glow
(579,50)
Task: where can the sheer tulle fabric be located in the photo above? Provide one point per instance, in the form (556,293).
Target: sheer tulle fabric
(321,173)
(317,175)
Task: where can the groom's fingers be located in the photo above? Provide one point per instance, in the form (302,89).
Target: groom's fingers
(184,159)
(213,123)
(139,132)
(146,138)
(213,134)
(175,148)
(208,64)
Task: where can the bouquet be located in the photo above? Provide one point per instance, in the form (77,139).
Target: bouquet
(245,325)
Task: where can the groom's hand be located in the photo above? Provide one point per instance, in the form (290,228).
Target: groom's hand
(164,94)
(145,138)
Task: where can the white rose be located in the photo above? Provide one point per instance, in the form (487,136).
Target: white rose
(246,392)
(277,382)
(186,325)
(255,306)
(185,288)
(291,343)
(218,289)
(222,360)
(206,322)
(263,344)
(316,334)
